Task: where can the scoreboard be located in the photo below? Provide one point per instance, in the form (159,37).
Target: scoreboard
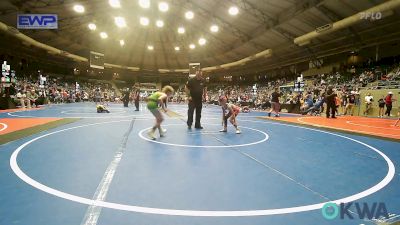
(7,75)
(193,68)
(299,86)
(96,60)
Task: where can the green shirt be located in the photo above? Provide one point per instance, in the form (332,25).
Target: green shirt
(152,102)
(155,96)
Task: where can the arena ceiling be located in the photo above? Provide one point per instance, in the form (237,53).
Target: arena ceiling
(259,25)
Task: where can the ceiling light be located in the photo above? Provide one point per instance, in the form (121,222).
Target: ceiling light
(92,26)
(150,47)
(114,3)
(163,6)
(214,28)
(120,21)
(121,42)
(202,41)
(233,10)
(79,8)
(192,46)
(144,4)
(159,23)
(103,35)
(189,15)
(144,21)
(177,48)
(181,30)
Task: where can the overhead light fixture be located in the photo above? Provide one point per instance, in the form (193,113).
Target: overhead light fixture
(163,6)
(103,35)
(214,28)
(79,8)
(159,23)
(144,21)
(150,47)
(181,30)
(114,3)
(233,10)
(189,15)
(177,48)
(92,26)
(192,46)
(144,4)
(120,21)
(121,42)
(202,41)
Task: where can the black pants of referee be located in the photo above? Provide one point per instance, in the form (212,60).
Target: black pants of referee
(330,109)
(137,105)
(194,105)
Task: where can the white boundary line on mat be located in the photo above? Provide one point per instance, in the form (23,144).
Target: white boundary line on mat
(200,213)
(5,126)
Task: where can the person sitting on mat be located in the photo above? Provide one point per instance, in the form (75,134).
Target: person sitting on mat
(316,107)
(233,111)
(102,109)
(153,101)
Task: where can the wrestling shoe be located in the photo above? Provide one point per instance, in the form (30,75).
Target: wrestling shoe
(238,131)
(162,132)
(151,135)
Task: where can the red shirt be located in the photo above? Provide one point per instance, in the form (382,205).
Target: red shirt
(388,100)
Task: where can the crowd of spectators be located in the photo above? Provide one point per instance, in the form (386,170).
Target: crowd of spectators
(346,86)
(29,92)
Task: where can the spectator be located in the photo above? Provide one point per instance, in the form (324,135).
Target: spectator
(368,103)
(32,98)
(388,102)
(21,98)
(351,100)
(381,104)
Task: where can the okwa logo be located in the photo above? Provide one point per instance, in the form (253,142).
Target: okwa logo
(364,210)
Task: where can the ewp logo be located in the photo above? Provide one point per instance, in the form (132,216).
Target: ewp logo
(37,21)
(378,210)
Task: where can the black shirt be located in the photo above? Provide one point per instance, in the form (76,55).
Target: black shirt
(330,96)
(195,87)
(137,95)
(352,99)
(126,96)
(381,102)
(275,97)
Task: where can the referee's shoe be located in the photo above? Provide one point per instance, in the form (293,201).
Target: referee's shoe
(196,127)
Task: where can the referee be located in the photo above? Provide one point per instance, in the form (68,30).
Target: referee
(136,98)
(194,90)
